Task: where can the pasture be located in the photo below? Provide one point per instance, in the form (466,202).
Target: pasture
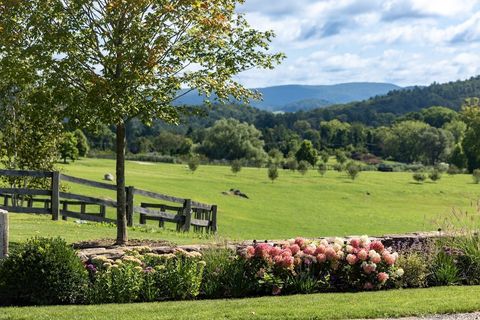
(294,205)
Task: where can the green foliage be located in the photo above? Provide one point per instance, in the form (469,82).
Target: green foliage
(416,270)
(42,271)
(226,275)
(435,175)
(353,170)
(445,271)
(236,166)
(322,168)
(193,163)
(338,167)
(68,147)
(306,153)
(232,140)
(273,172)
(171,144)
(476,176)
(471,143)
(292,164)
(82,143)
(458,157)
(341,157)
(419,177)
(303,167)
(324,156)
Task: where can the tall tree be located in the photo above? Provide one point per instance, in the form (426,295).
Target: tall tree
(112,60)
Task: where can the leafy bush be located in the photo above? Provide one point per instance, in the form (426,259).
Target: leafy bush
(416,269)
(292,164)
(338,167)
(435,175)
(42,271)
(476,176)
(453,170)
(236,166)
(272,172)
(301,266)
(228,275)
(353,170)
(146,277)
(303,167)
(193,163)
(419,177)
(445,272)
(322,168)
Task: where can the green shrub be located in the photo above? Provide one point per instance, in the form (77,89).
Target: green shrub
(416,270)
(292,164)
(453,170)
(193,163)
(303,167)
(272,172)
(476,176)
(236,166)
(338,167)
(42,271)
(353,170)
(435,175)
(322,168)
(444,271)
(419,177)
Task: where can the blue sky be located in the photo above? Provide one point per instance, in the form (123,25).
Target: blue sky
(406,42)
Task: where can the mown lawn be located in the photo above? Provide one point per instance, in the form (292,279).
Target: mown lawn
(294,205)
(395,303)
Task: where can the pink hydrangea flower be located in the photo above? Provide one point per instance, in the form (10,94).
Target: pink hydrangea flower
(368,286)
(275,251)
(321,258)
(355,242)
(362,255)
(349,249)
(320,249)
(382,277)
(389,259)
(369,267)
(330,253)
(294,248)
(377,246)
(309,251)
(250,251)
(351,259)
(300,242)
(376,258)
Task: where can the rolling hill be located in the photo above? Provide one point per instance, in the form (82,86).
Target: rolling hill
(291,98)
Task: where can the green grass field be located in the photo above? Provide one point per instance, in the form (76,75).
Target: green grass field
(382,304)
(294,205)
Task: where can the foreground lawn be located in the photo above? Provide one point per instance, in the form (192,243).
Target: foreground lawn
(295,205)
(24,226)
(395,303)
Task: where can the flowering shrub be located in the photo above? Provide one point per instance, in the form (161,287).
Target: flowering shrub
(301,266)
(145,277)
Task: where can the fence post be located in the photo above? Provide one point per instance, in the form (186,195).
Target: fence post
(3,234)
(130,191)
(55,195)
(214,219)
(187,212)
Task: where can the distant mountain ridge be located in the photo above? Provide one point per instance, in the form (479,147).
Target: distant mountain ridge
(292,98)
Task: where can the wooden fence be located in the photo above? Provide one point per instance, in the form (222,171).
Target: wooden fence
(185,213)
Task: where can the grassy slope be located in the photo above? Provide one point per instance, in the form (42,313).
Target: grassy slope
(394,303)
(300,205)
(294,205)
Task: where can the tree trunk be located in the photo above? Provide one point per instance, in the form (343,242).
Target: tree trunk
(120,175)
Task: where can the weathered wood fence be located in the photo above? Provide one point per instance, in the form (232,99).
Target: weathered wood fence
(185,213)
(3,234)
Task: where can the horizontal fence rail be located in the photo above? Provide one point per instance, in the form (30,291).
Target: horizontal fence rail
(187,213)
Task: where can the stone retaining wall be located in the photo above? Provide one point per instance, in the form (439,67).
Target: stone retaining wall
(116,252)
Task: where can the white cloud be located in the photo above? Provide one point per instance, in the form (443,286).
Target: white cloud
(402,41)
